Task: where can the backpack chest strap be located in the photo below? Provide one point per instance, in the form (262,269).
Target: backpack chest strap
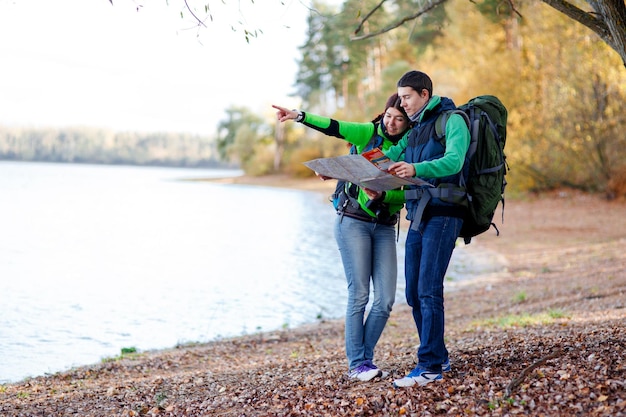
(446,192)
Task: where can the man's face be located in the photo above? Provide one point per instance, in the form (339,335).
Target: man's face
(411,100)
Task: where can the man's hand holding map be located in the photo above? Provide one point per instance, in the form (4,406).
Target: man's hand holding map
(367,170)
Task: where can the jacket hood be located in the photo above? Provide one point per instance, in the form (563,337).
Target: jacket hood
(437,104)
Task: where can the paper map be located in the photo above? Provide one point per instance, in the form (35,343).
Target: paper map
(367,170)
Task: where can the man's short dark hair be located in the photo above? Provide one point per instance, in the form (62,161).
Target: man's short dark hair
(418,81)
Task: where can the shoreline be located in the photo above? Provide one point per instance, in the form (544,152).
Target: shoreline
(278,181)
(565,274)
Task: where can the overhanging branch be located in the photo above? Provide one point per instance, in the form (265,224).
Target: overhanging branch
(581,16)
(367,16)
(429,7)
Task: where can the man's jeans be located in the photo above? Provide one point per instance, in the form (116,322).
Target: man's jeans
(428,253)
(368,251)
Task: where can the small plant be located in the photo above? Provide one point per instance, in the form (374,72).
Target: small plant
(125,352)
(557,313)
(160,398)
(520,297)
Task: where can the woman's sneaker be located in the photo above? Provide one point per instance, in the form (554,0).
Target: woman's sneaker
(417,376)
(365,372)
(369,363)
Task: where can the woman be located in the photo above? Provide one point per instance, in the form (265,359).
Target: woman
(365,233)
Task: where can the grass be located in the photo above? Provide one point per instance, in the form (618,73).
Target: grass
(521,320)
(126,352)
(520,297)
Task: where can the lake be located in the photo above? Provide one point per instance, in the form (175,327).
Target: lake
(98,258)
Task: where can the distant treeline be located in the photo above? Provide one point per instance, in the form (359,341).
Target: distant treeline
(99,146)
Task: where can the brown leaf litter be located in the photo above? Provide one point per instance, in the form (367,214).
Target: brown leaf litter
(543,337)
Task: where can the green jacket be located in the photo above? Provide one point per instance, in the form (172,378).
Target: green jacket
(457,142)
(358,134)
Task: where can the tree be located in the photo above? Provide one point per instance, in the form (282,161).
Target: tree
(607,18)
(322,57)
(238,133)
(569,135)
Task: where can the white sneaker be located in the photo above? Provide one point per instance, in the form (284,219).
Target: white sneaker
(445,367)
(417,376)
(365,372)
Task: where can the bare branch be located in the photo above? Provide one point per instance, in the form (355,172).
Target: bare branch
(515,383)
(431,5)
(512,6)
(200,22)
(581,16)
(367,16)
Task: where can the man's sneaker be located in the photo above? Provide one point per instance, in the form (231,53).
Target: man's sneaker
(445,367)
(417,376)
(365,372)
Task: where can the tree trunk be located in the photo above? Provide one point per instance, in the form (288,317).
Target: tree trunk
(608,20)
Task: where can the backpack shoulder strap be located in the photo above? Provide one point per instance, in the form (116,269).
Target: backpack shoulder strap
(442,119)
(440,125)
(376,141)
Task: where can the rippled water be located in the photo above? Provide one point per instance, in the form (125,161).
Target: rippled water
(97,258)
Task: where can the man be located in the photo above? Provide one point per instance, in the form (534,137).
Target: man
(435,223)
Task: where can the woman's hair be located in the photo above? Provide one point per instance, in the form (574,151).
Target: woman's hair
(418,81)
(393,101)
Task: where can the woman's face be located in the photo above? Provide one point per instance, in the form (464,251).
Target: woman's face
(395,121)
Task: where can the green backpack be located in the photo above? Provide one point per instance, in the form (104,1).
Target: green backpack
(484,186)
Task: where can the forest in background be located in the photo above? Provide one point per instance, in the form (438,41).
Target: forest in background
(100,146)
(564,88)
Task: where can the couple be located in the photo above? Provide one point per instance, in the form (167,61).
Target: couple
(365,231)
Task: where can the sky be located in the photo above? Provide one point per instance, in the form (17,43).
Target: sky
(137,65)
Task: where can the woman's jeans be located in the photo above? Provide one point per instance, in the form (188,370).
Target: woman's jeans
(368,251)
(428,253)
